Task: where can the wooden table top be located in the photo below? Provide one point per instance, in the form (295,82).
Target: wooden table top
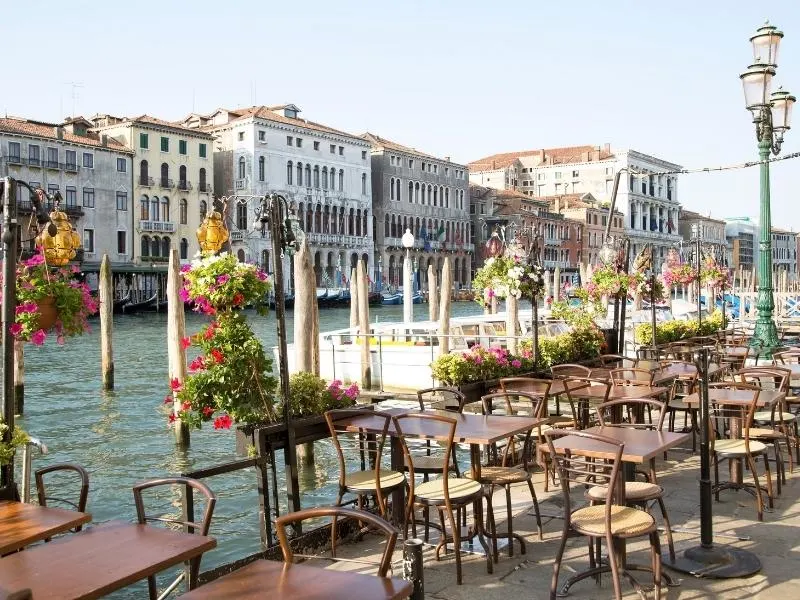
(640,444)
(766,398)
(470,428)
(23,524)
(617,392)
(99,560)
(280,581)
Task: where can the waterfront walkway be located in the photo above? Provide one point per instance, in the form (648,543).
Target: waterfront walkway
(776,542)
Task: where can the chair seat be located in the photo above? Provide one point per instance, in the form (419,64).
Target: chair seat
(678,404)
(458,487)
(503,475)
(635,491)
(427,464)
(780,417)
(737,447)
(625,521)
(365,480)
(766,433)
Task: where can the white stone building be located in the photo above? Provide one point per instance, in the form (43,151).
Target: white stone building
(784,253)
(323,172)
(648,199)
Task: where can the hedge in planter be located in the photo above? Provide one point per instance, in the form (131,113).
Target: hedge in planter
(675,331)
(479,364)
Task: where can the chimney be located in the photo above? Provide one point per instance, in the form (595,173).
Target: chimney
(541,156)
(494,164)
(596,153)
(557,205)
(104,140)
(59,131)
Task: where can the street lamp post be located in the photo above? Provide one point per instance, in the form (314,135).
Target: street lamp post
(698,264)
(772,117)
(408,307)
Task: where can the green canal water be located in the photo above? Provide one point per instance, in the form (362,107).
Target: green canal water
(121,437)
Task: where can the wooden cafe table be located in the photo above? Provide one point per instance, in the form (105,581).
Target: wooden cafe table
(473,429)
(282,581)
(23,524)
(640,446)
(99,560)
(595,393)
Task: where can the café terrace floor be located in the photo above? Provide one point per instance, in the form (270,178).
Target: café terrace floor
(776,542)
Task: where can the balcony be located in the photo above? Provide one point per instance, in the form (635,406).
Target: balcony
(240,184)
(52,164)
(14,160)
(157,226)
(347,241)
(205,187)
(146,181)
(34,162)
(72,210)
(237,235)
(166,183)
(184,185)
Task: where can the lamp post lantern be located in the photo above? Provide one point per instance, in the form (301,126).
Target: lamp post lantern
(772,113)
(408,307)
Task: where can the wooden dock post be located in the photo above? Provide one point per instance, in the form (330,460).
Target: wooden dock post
(176,331)
(363,325)
(304,302)
(19,377)
(106,324)
(353,298)
(444,308)
(433,293)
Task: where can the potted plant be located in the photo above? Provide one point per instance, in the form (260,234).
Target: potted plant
(49,300)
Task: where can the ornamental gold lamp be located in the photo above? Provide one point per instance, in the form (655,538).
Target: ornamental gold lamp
(59,240)
(212,233)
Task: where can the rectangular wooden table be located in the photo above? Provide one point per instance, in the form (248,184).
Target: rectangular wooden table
(23,524)
(99,560)
(280,581)
(767,398)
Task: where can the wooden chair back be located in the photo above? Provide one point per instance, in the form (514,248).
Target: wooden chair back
(632,377)
(339,512)
(638,412)
(719,410)
(454,400)
(570,370)
(70,470)
(787,357)
(616,361)
(366,450)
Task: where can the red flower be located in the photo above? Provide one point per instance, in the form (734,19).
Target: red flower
(210,331)
(207,411)
(176,384)
(172,418)
(168,399)
(185,343)
(186,406)
(223,422)
(217,356)
(198,364)
(238,299)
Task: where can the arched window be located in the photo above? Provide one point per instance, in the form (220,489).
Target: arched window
(386,231)
(435,196)
(364,184)
(299,174)
(182,177)
(203,180)
(155,246)
(144,177)
(184,248)
(145,245)
(447,197)
(411,191)
(165,246)
(242,167)
(261,165)
(164,208)
(308,175)
(241,216)
(358,222)
(316,176)
(364,226)
(393,228)
(203,209)
(265,261)
(164,175)
(350,223)
(318,219)
(154,210)
(324,178)
(416,193)
(430,201)
(391,189)
(341,180)
(145,212)
(398,189)
(184,211)
(240,255)
(289,173)
(423,194)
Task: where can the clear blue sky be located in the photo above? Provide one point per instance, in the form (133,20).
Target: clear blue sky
(455,78)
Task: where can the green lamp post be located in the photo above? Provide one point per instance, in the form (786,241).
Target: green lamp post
(772,116)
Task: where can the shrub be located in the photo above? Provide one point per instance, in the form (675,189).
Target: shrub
(675,331)
(311,395)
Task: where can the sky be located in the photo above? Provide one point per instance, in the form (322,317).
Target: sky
(454,78)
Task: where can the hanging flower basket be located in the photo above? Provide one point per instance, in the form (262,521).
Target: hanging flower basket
(508,275)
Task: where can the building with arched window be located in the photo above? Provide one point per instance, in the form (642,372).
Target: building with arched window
(428,195)
(324,172)
(171,174)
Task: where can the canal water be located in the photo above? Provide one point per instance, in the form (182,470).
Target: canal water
(121,437)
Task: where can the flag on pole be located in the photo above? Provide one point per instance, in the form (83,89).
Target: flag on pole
(441,233)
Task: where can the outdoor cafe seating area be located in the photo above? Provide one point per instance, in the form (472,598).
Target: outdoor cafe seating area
(582,483)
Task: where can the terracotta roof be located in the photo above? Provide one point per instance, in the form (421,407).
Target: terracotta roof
(162,123)
(690,214)
(48,131)
(568,154)
(378,141)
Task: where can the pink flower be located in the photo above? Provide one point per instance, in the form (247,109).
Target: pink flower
(34,261)
(168,399)
(15,329)
(208,411)
(261,275)
(175,385)
(38,337)
(223,422)
(184,295)
(223,279)
(27,307)
(186,268)
(516,363)
(478,359)
(60,340)
(198,364)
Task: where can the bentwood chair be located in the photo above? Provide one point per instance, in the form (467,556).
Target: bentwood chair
(616,360)
(637,414)
(632,376)
(426,461)
(506,471)
(683,386)
(610,521)
(68,470)
(199,528)
(338,512)
(369,477)
(450,496)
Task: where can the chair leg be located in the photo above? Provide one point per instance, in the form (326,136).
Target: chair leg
(759,497)
(536,509)
(557,562)
(151,588)
(614,562)
(655,547)
(333,524)
(509,522)
(456,543)
(770,491)
(667,528)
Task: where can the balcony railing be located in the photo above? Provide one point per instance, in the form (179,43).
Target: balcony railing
(73,167)
(349,241)
(166,183)
(184,185)
(205,187)
(146,181)
(14,160)
(237,235)
(34,162)
(73,210)
(52,164)
(240,184)
(157,226)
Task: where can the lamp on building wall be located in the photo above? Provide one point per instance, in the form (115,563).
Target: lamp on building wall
(772,113)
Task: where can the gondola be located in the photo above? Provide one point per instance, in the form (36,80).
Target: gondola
(118,304)
(135,307)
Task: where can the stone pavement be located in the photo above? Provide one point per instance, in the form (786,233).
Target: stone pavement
(776,541)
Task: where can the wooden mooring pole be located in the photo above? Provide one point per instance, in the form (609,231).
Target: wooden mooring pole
(176,331)
(106,324)
(19,377)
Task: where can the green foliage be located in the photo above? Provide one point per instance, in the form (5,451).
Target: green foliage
(7,449)
(480,364)
(311,395)
(675,331)
(220,282)
(584,342)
